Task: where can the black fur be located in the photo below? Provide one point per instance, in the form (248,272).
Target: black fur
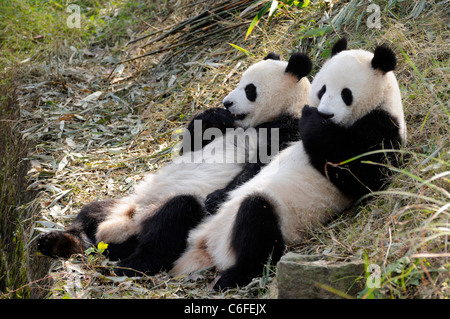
(256,236)
(163,237)
(288,127)
(322,91)
(122,250)
(214,117)
(339,46)
(218,197)
(299,65)
(327,143)
(384,59)
(272,56)
(79,235)
(59,244)
(250,92)
(347,96)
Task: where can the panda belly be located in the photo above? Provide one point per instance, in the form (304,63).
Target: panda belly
(300,195)
(198,173)
(307,201)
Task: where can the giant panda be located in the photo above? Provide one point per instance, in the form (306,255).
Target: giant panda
(357,109)
(270,95)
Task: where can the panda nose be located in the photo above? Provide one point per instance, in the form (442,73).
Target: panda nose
(227,104)
(326,116)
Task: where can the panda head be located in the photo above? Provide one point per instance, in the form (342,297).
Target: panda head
(269,88)
(354,82)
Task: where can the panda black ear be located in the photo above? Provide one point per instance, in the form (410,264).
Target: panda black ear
(299,65)
(384,59)
(272,56)
(339,46)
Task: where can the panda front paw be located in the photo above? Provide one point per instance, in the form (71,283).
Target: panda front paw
(215,117)
(134,267)
(308,111)
(126,271)
(214,200)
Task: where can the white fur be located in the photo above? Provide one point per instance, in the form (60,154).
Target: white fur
(200,173)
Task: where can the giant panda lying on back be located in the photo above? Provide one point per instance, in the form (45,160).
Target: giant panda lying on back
(358,110)
(270,95)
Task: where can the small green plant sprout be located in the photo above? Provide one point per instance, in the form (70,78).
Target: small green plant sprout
(101,247)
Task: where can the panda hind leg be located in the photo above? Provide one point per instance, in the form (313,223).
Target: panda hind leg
(163,237)
(121,251)
(256,236)
(59,244)
(79,235)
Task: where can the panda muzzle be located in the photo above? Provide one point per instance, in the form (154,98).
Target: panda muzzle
(239,116)
(326,116)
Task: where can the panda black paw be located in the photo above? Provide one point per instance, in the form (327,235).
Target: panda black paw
(232,278)
(308,111)
(47,241)
(311,124)
(135,267)
(215,117)
(122,271)
(59,244)
(224,284)
(214,200)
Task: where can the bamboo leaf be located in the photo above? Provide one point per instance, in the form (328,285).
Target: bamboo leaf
(256,19)
(252,25)
(241,49)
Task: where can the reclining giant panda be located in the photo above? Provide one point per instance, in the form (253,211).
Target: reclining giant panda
(270,95)
(358,110)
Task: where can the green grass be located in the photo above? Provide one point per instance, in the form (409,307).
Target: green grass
(31,29)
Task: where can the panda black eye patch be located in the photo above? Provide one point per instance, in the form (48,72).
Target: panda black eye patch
(347,96)
(321,92)
(250,92)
